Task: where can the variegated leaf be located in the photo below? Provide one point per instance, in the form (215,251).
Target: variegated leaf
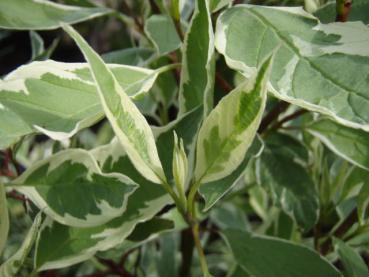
(230,128)
(11,267)
(321,67)
(350,144)
(42,14)
(197,75)
(70,188)
(60,246)
(59,99)
(215,190)
(279,170)
(4,218)
(128,123)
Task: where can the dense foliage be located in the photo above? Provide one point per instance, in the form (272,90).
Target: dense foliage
(207,138)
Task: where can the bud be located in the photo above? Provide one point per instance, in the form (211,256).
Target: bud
(180,166)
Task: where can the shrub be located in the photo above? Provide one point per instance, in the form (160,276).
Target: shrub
(218,140)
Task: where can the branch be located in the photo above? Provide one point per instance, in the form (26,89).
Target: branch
(343,8)
(187,246)
(126,8)
(288,118)
(226,87)
(341,230)
(279,108)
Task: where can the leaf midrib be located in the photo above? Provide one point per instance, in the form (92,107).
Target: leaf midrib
(267,23)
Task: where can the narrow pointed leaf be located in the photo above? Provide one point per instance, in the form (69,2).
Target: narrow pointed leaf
(353,263)
(11,267)
(230,128)
(4,218)
(58,99)
(267,256)
(350,144)
(42,14)
(216,5)
(128,123)
(197,75)
(70,188)
(320,67)
(363,200)
(37,44)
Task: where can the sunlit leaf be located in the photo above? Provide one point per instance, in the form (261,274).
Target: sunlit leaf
(129,125)
(58,99)
(320,67)
(42,14)
(230,128)
(197,75)
(351,144)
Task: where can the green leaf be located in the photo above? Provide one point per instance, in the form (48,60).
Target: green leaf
(289,183)
(180,167)
(363,201)
(11,267)
(215,190)
(145,230)
(238,271)
(37,44)
(350,144)
(167,262)
(354,182)
(162,33)
(70,188)
(165,88)
(43,15)
(358,12)
(230,128)
(186,127)
(39,53)
(197,75)
(352,262)
(129,56)
(216,5)
(229,216)
(129,125)
(58,99)
(320,67)
(4,218)
(266,256)
(60,246)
